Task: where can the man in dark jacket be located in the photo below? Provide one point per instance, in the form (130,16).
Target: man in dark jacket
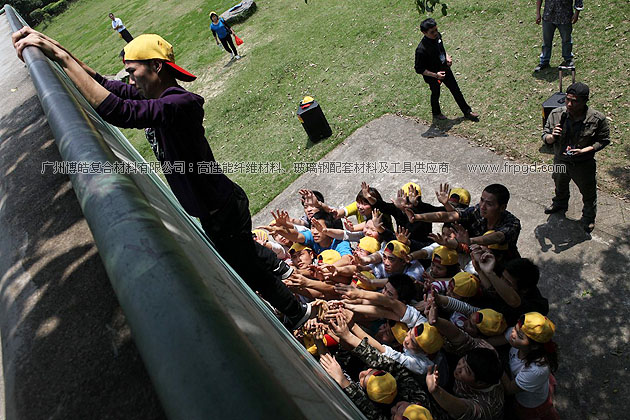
(434,64)
(173,121)
(576,132)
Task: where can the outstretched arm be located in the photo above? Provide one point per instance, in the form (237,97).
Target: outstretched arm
(78,72)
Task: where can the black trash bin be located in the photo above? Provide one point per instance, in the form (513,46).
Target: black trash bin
(313,120)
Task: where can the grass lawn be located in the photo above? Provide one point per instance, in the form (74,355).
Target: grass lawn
(356,59)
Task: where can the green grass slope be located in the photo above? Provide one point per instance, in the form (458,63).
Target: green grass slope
(356,59)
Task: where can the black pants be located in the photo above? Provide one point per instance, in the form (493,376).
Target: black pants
(583,174)
(228,40)
(126,35)
(450,82)
(230,231)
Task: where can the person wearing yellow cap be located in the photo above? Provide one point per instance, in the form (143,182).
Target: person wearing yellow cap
(173,121)
(301,256)
(382,384)
(533,359)
(489,214)
(405,410)
(477,391)
(223,32)
(394,258)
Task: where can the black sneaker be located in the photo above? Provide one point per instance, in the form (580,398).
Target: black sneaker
(554,209)
(568,63)
(588,225)
(540,67)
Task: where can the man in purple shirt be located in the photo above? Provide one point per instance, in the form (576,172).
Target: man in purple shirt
(172,118)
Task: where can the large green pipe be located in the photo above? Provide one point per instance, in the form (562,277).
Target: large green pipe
(200,363)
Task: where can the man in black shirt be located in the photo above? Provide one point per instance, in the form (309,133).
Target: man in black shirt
(434,64)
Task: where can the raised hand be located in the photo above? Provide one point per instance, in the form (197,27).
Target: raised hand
(333,368)
(414,196)
(309,198)
(377,220)
(339,326)
(443,194)
(438,238)
(365,190)
(319,226)
(348,225)
(282,218)
(402,235)
(487,261)
(432,379)
(402,201)
(461,234)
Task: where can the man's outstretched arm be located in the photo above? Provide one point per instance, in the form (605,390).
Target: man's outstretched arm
(90,88)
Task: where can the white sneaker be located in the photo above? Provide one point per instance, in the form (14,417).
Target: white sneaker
(238,57)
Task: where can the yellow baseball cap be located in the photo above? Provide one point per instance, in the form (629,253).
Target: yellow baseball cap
(329,256)
(399,331)
(408,185)
(417,412)
(296,247)
(492,322)
(445,256)
(466,284)
(369,244)
(381,387)
(397,248)
(430,340)
(538,327)
(364,286)
(152,46)
(463,194)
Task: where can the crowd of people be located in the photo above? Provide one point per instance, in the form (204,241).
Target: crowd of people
(417,311)
(415,320)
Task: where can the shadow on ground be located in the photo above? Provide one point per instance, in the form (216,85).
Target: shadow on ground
(67,350)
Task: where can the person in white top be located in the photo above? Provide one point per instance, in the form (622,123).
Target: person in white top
(118,26)
(533,358)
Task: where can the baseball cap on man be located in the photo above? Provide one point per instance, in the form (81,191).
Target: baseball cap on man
(491,323)
(296,247)
(364,285)
(399,331)
(445,256)
(369,244)
(154,47)
(381,387)
(329,256)
(430,340)
(537,327)
(416,412)
(579,89)
(463,194)
(397,248)
(465,284)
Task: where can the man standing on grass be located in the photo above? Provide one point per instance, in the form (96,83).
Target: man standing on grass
(434,64)
(557,14)
(118,25)
(173,121)
(576,133)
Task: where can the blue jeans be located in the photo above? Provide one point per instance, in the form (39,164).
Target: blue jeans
(567,42)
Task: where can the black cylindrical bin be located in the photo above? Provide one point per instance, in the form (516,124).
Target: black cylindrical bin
(313,120)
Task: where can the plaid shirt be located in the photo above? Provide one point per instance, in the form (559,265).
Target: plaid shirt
(560,11)
(510,225)
(408,388)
